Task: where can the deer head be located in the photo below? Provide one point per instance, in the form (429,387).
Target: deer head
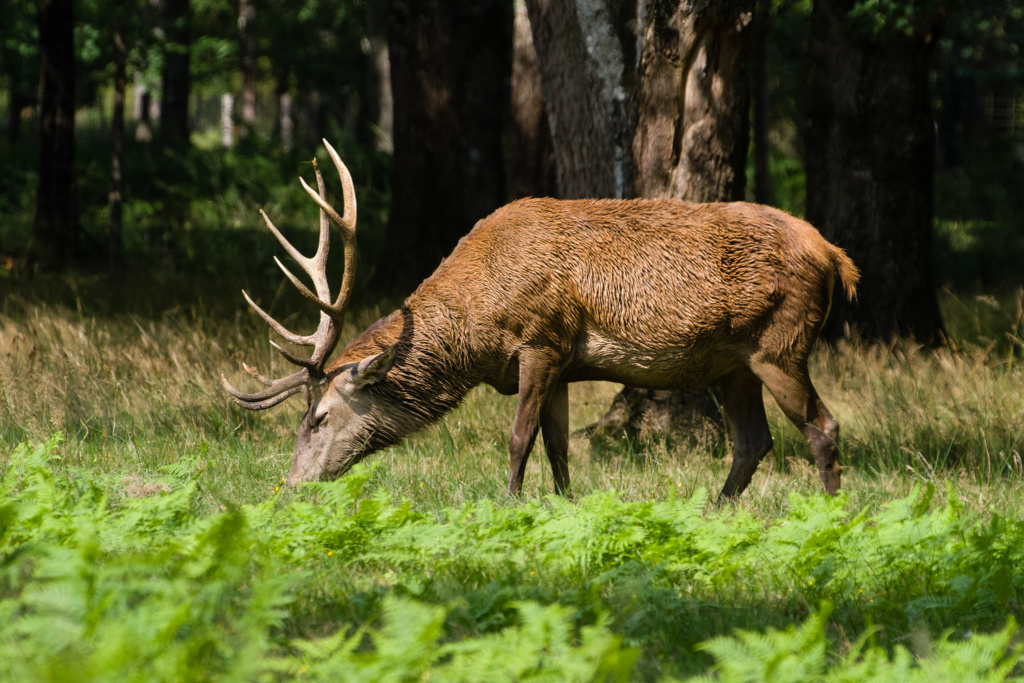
(335,423)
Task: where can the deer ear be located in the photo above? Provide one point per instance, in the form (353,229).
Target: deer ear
(373,369)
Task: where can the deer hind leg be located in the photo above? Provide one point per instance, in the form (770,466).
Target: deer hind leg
(748,427)
(800,402)
(538,382)
(554,427)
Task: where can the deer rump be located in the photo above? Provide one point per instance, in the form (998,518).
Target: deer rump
(650,293)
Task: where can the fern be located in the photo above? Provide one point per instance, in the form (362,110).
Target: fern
(340,581)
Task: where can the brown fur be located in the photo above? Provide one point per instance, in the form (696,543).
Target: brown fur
(652,293)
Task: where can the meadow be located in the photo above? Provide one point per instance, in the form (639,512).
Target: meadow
(145,533)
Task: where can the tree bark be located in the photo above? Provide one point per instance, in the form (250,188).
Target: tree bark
(870,156)
(177,82)
(694,95)
(530,159)
(55,230)
(247,51)
(115,200)
(450,63)
(587,66)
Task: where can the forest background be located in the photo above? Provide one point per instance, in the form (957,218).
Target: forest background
(138,139)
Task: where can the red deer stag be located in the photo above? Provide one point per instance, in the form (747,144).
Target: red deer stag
(543,292)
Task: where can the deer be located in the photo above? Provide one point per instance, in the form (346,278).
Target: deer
(652,293)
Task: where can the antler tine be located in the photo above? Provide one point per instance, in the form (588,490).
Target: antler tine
(328,331)
(346,224)
(314,267)
(313,362)
(257,374)
(270,402)
(275,392)
(297,339)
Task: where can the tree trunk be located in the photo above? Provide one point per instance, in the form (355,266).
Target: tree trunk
(587,67)
(450,64)
(227,120)
(759,101)
(870,155)
(55,230)
(144,126)
(285,120)
(694,95)
(379,99)
(117,142)
(176,80)
(247,50)
(530,159)
(691,144)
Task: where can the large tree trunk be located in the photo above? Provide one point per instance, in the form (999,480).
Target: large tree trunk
(176,79)
(870,155)
(530,159)
(55,231)
(587,65)
(694,95)
(691,144)
(450,63)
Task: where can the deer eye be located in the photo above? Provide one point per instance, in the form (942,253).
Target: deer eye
(319,420)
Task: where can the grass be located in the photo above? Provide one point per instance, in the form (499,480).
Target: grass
(147,424)
(134,394)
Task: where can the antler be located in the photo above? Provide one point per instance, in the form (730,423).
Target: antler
(332,314)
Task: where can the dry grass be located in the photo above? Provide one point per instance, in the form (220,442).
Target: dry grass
(134,395)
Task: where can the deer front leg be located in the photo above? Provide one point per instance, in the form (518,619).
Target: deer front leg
(538,378)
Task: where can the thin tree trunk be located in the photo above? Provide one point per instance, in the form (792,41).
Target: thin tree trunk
(144,127)
(177,82)
(380,100)
(227,122)
(247,40)
(117,143)
(285,120)
(55,230)
(870,158)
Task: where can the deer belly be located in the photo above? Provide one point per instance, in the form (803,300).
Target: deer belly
(682,366)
